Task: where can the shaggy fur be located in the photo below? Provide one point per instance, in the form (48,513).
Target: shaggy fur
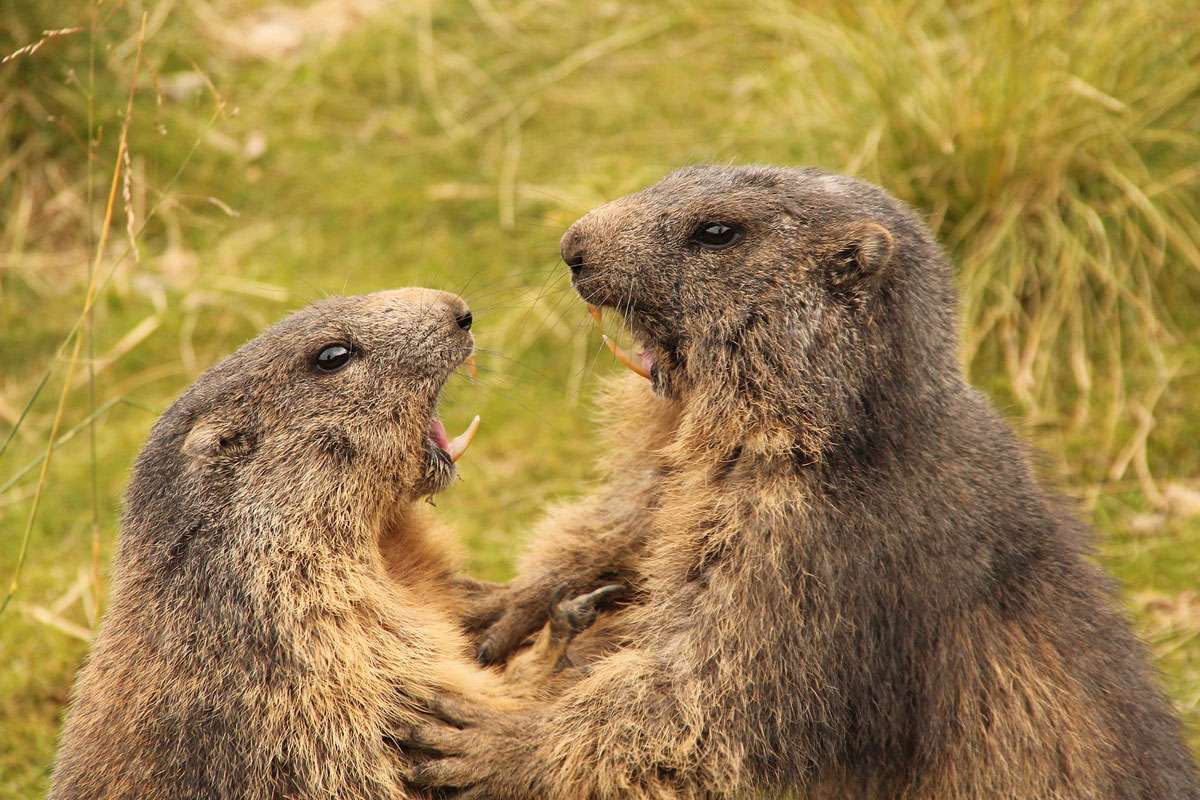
(849,585)
(280,605)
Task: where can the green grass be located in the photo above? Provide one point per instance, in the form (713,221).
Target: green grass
(1053,146)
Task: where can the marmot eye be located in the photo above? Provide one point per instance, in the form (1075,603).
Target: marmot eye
(333,357)
(716,235)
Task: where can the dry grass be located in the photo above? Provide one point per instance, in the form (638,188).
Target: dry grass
(169,189)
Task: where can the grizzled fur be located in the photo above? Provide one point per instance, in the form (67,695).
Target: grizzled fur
(848,582)
(279,604)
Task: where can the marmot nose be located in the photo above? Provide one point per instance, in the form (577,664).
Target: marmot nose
(572,250)
(464,320)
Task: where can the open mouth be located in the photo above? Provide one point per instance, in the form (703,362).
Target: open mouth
(453,449)
(641,364)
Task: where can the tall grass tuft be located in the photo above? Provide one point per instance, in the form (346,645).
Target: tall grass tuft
(1055,147)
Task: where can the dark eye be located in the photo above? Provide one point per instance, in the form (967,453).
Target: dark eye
(716,235)
(333,357)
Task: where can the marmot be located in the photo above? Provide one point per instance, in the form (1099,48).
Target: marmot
(848,582)
(280,605)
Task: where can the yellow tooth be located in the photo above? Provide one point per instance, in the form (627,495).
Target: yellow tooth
(469,363)
(629,361)
(625,358)
(459,444)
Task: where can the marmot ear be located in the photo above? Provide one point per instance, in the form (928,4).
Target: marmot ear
(210,438)
(864,252)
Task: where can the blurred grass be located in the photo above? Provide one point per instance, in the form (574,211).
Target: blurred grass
(278,153)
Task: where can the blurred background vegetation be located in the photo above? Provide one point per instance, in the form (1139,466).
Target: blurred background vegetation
(276,152)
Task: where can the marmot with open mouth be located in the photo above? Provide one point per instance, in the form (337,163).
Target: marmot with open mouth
(847,581)
(281,605)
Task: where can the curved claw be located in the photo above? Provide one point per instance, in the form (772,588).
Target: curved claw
(570,617)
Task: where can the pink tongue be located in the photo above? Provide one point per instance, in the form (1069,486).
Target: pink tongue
(647,360)
(437,432)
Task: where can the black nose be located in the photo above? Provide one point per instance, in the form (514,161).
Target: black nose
(572,251)
(464,320)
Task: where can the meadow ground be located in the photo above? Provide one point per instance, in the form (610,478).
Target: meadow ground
(278,153)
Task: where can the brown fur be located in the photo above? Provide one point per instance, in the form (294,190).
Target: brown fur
(848,582)
(281,603)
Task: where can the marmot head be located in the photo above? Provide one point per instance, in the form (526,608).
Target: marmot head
(330,415)
(791,304)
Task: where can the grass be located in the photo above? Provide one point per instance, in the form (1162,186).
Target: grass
(276,154)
